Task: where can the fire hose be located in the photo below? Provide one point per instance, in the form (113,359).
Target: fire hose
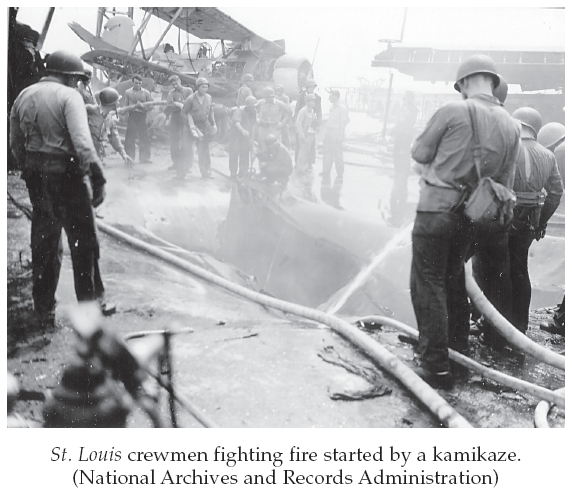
(508,331)
(429,397)
(515,383)
(542,410)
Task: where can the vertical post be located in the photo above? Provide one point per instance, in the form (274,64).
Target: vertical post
(167,369)
(387,104)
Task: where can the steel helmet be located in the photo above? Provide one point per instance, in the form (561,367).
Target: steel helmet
(477,64)
(250,101)
(247,77)
(529,117)
(201,81)
(309,97)
(501,91)
(550,134)
(268,92)
(64,62)
(108,96)
(310,83)
(278,87)
(271,140)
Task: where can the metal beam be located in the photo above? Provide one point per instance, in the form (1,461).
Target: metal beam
(175,17)
(142,28)
(42,38)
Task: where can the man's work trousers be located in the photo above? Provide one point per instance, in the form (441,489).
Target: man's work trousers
(307,147)
(440,243)
(519,242)
(333,152)
(176,127)
(137,130)
(62,200)
(238,155)
(491,269)
(401,165)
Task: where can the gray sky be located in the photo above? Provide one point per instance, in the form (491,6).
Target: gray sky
(347,39)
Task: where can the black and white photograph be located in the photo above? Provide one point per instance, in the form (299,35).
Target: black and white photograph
(292,217)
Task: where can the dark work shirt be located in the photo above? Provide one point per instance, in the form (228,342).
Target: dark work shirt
(543,172)
(559,153)
(445,147)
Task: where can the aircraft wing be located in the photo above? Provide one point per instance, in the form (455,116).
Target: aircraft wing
(213,24)
(93,41)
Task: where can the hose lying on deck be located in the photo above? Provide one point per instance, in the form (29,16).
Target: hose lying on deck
(508,331)
(434,402)
(542,410)
(497,376)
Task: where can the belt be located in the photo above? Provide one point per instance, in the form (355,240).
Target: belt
(530,198)
(51,162)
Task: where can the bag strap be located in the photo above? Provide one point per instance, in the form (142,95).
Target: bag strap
(526,163)
(477,146)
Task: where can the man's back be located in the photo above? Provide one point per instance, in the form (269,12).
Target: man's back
(541,172)
(446,144)
(51,118)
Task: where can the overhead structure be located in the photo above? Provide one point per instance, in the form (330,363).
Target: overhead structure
(533,70)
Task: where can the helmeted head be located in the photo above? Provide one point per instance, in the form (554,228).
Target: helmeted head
(108,97)
(551,135)
(310,85)
(530,118)
(65,62)
(279,89)
(501,91)
(477,64)
(201,81)
(408,97)
(271,142)
(250,101)
(310,100)
(247,79)
(268,93)
(87,75)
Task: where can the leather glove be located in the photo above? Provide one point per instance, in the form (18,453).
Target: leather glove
(540,232)
(97,183)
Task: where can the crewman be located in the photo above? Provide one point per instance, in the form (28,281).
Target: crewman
(199,116)
(272,116)
(245,90)
(441,233)
(306,124)
(241,138)
(538,187)
(175,101)
(403,131)
(309,89)
(132,102)
(552,134)
(49,136)
(102,126)
(283,97)
(275,162)
(84,88)
(334,137)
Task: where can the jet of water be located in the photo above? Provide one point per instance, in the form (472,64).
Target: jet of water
(404,234)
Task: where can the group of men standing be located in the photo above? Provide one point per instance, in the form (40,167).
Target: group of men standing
(443,237)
